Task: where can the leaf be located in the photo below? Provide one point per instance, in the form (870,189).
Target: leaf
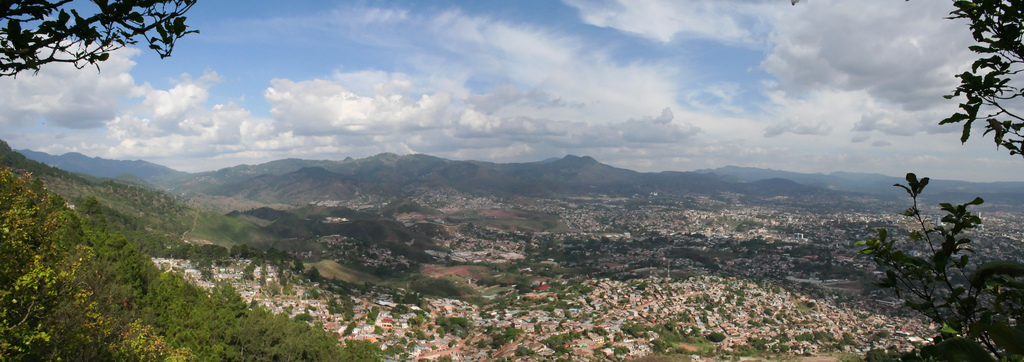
(960,349)
(1002,335)
(1000,267)
(966,132)
(911,179)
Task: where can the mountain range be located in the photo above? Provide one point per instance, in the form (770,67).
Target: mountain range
(100,167)
(388,176)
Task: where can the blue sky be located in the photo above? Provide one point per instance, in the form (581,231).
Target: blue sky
(826,85)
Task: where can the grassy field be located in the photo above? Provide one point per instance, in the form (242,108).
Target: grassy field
(224,205)
(225,231)
(333,270)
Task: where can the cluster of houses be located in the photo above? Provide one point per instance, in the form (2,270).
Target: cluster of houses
(599,311)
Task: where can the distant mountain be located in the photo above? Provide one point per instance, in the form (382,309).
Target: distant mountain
(389,176)
(877,184)
(100,167)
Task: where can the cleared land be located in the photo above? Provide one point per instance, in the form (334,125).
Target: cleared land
(465,271)
(331,269)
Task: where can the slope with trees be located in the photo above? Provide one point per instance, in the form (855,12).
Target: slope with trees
(70,289)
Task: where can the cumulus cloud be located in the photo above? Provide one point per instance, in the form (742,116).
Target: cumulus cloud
(904,54)
(65,96)
(318,107)
(884,121)
(170,108)
(654,130)
(200,133)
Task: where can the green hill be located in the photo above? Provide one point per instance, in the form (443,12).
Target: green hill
(138,210)
(70,289)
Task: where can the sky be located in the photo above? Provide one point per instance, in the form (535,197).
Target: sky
(647,85)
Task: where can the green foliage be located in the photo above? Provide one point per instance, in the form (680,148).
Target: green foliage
(990,85)
(716,337)
(70,290)
(360,351)
(142,343)
(151,219)
(881,355)
(36,274)
(41,32)
(976,304)
(454,325)
(501,338)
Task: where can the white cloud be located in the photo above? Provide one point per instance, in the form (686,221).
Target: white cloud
(67,97)
(729,21)
(170,108)
(904,53)
(319,107)
(847,85)
(800,127)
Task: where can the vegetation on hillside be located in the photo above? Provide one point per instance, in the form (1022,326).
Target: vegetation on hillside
(70,289)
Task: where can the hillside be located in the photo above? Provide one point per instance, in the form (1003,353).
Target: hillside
(368,230)
(77,287)
(134,209)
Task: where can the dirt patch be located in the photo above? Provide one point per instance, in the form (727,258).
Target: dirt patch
(333,270)
(429,269)
(818,359)
(687,347)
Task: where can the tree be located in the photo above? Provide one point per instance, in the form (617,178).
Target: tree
(39,32)
(360,351)
(976,304)
(991,85)
(37,276)
(979,306)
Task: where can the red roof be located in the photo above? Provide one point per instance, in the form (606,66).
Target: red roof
(542,287)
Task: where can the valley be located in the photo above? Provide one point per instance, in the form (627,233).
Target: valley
(568,259)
